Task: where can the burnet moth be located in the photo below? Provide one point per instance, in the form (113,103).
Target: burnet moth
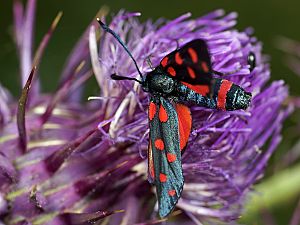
(183,77)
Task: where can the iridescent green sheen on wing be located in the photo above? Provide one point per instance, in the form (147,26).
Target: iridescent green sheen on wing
(166,157)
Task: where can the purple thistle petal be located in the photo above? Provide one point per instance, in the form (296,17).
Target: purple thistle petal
(7,171)
(27,40)
(45,40)
(54,161)
(95,61)
(22,110)
(4,107)
(18,21)
(85,218)
(79,54)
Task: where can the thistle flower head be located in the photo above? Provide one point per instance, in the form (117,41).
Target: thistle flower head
(64,162)
(227,151)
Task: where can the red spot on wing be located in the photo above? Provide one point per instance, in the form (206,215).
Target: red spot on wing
(200,89)
(172,192)
(171,157)
(191,72)
(178,58)
(222,94)
(204,67)
(152,110)
(162,177)
(184,124)
(150,162)
(164,61)
(171,71)
(159,144)
(163,116)
(193,55)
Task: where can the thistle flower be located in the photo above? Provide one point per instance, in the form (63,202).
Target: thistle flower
(228,151)
(64,162)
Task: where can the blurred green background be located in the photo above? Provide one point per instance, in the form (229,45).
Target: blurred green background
(269,18)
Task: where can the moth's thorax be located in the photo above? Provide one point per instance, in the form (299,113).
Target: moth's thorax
(158,83)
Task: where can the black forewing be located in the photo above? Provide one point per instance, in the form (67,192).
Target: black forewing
(168,191)
(191,63)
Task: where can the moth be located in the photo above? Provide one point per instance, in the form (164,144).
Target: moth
(183,77)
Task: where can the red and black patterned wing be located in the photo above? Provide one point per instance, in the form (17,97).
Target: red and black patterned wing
(165,169)
(184,125)
(191,63)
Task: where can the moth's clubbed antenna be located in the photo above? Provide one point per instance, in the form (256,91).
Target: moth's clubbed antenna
(118,77)
(107,29)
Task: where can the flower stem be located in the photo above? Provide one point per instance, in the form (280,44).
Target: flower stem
(274,191)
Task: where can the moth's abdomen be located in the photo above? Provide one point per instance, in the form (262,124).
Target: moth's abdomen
(223,95)
(186,94)
(229,96)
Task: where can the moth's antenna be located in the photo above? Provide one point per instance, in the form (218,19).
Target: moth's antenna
(226,73)
(118,77)
(107,29)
